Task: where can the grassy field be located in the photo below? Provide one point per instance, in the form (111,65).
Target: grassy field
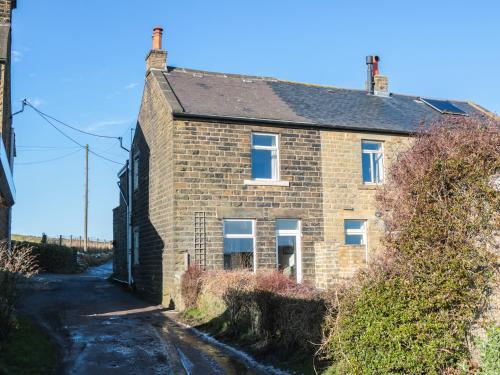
(29,351)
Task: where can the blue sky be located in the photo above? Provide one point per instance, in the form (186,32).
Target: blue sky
(82,61)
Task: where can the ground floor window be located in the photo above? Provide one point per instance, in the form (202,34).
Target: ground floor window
(288,248)
(239,244)
(355,232)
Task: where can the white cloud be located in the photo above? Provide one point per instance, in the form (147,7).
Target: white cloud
(112,95)
(131,86)
(107,123)
(36,102)
(17,55)
(71,79)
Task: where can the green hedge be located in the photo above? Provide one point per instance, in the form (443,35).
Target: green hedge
(279,320)
(53,258)
(411,312)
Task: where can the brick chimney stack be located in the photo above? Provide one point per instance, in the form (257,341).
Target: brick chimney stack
(376,84)
(6,7)
(157,57)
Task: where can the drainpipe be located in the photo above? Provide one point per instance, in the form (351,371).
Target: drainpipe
(127,201)
(129,220)
(128,166)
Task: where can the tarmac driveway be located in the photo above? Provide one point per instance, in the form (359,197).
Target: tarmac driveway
(102,329)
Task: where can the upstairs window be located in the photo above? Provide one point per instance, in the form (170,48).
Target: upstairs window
(135,170)
(355,232)
(265,156)
(372,162)
(239,244)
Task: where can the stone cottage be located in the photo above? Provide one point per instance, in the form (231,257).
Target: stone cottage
(7,150)
(231,171)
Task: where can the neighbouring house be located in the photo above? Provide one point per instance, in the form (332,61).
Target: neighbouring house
(231,171)
(7,146)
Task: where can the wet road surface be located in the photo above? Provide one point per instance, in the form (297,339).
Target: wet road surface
(102,329)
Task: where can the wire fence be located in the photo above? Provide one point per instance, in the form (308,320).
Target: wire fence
(70,241)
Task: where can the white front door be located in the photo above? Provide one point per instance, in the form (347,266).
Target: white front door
(288,248)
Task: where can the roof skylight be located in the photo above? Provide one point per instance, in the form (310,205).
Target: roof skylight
(443,106)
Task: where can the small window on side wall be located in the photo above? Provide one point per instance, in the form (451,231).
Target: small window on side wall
(265,156)
(136,245)
(239,244)
(355,232)
(372,162)
(135,167)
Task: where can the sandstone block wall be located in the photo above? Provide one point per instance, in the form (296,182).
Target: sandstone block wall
(346,197)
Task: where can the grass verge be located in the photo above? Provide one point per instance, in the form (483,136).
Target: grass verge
(295,362)
(28,351)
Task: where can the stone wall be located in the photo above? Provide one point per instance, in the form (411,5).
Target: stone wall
(190,168)
(6,10)
(346,197)
(152,210)
(5,114)
(212,161)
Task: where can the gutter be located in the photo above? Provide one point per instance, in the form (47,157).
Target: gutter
(283,123)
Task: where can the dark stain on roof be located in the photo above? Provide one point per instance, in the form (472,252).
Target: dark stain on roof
(233,96)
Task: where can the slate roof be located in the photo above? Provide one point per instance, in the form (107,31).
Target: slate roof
(206,94)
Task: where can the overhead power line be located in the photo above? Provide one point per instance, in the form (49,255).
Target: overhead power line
(48,148)
(70,126)
(49,160)
(46,118)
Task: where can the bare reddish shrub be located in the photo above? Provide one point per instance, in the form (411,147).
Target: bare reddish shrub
(273,281)
(276,282)
(16,265)
(218,282)
(191,285)
(450,138)
(266,305)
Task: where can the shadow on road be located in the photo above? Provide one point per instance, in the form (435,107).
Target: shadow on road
(103,329)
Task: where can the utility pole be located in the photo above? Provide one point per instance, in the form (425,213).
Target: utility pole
(86,216)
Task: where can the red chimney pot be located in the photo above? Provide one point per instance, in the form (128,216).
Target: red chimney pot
(157,37)
(375,65)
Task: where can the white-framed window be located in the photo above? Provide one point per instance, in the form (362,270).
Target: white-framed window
(135,171)
(265,156)
(372,160)
(355,232)
(288,248)
(136,244)
(239,244)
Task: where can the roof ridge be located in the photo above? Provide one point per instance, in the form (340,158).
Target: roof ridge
(273,79)
(216,74)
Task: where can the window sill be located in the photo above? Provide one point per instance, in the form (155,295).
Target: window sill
(369,186)
(266,183)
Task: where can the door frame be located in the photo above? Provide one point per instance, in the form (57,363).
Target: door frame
(298,240)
